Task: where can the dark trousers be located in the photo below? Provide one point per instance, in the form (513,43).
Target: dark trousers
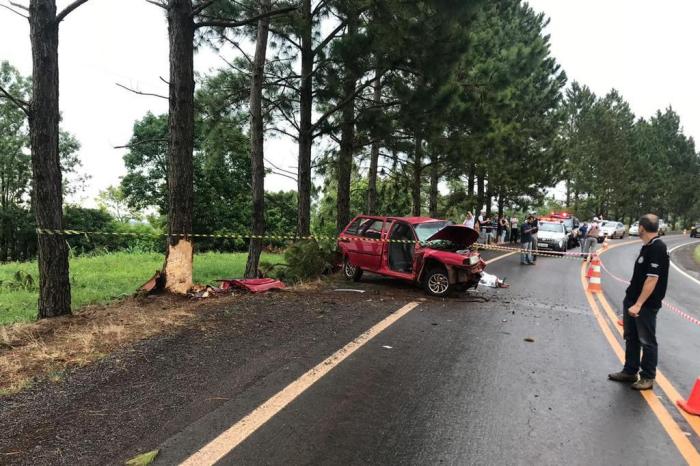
(640,337)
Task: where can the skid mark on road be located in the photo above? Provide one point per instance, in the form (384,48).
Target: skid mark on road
(674,431)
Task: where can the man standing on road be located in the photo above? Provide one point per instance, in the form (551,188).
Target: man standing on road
(526,242)
(643,300)
(534,228)
(591,239)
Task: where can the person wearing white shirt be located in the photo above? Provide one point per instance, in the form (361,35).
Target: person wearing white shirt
(469,221)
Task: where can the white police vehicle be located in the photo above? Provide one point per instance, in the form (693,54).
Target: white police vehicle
(552,234)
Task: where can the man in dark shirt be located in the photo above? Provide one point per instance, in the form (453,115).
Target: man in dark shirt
(526,242)
(642,302)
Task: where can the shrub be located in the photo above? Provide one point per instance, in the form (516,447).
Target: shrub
(306,260)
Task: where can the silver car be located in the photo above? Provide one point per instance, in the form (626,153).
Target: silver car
(634,229)
(613,229)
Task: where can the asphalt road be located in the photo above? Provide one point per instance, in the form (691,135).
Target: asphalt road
(456,382)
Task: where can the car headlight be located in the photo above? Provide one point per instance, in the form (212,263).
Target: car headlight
(472,260)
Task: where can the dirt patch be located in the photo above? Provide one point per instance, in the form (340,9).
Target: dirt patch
(243,348)
(48,348)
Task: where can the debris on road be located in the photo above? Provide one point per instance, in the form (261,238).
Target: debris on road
(254,285)
(387,347)
(151,284)
(348,290)
(530,340)
(492,281)
(144,459)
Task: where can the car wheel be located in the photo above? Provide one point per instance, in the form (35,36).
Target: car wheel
(351,272)
(437,282)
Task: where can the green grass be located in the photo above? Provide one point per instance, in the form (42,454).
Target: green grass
(101,279)
(696,255)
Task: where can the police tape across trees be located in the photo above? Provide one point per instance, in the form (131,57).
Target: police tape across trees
(386,102)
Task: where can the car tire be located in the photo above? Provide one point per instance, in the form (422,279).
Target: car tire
(437,283)
(351,272)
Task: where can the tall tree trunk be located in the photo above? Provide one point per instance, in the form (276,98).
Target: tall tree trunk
(305,126)
(434,180)
(178,260)
(501,204)
(257,160)
(568,193)
(417,177)
(479,192)
(347,140)
(489,200)
(470,183)
(374,151)
(54,283)
(471,175)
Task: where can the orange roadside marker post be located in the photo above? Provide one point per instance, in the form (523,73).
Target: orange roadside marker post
(692,406)
(594,285)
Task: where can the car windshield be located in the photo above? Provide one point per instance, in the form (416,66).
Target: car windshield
(554,227)
(426,230)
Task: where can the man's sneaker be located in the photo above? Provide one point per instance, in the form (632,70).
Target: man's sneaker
(622,377)
(643,384)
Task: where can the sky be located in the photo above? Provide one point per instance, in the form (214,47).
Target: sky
(643,48)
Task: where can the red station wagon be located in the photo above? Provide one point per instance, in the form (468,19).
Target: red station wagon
(433,253)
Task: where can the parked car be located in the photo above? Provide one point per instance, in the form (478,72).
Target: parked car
(613,229)
(695,231)
(433,253)
(634,229)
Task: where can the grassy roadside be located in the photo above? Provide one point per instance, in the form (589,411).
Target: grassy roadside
(105,278)
(696,255)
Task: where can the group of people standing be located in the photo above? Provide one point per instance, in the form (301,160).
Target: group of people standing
(502,229)
(491,229)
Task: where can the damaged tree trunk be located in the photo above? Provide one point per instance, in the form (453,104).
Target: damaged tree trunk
(257,143)
(374,151)
(47,196)
(177,270)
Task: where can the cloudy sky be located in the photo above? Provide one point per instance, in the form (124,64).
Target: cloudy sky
(643,48)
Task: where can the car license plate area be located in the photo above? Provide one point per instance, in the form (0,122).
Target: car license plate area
(542,245)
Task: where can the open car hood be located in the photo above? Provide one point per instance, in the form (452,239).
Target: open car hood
(457,234)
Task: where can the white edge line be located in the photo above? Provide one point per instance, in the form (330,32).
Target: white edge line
(678,269)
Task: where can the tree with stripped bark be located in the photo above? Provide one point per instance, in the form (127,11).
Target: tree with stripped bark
(185,18)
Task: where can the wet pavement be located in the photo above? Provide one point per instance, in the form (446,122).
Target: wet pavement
(519,379)
(508,376)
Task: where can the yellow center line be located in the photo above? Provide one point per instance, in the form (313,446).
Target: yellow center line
(674,431)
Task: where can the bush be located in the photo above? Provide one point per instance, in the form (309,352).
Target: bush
(306,260)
